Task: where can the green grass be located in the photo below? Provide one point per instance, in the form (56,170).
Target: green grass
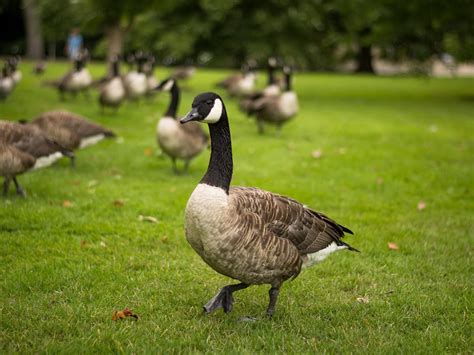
(387,144)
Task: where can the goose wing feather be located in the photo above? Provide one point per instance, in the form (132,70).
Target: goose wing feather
(195,130)
(309,231)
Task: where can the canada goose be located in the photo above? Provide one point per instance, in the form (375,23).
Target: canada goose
(40,68)
(7,84)
(135,81)
(276,109)
(240,84)
(184,72)
(272,88)
(70,130)
(250,235)
(24,148)
(16,73)
(77,80)
(175,140)
(151,81)
(112,91)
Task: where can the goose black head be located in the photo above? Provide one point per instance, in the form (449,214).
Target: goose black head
(206,107)
(166,85)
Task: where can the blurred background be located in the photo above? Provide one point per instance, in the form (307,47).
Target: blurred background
(371,36)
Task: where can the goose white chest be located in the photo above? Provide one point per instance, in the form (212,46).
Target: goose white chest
(205,213)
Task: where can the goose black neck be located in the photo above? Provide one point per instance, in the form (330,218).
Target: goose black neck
(219,171)
(174,102)
(288,82)
(115,68)
(271,75)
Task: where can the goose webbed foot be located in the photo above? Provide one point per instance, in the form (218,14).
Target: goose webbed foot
(223,299)
(273,293)
(19,189)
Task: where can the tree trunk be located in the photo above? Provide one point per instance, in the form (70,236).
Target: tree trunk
(115,40)
(34,36)
(364,60)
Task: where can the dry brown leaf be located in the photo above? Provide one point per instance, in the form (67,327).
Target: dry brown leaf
(316,154)
(164,239)
(364,299)
(118,202)
(124,314)
(67,203)
(421,205)
(83,243)
(148,151)
(393,246)
(147,219)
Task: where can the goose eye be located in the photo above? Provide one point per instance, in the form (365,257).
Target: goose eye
(209,102)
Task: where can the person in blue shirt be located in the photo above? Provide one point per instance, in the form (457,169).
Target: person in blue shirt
(74,44)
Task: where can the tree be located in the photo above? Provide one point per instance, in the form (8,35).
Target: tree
(34,37)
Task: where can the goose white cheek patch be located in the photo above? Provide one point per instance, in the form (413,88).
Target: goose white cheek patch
(216,112)
(168,85)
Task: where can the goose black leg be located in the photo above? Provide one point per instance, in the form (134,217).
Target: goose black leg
(6,185)
(73,161)
(19,189)
(175,168)
(186,166)
(260,126)
(223,298)
(273,293)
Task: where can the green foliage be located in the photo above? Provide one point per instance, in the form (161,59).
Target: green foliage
(387,143)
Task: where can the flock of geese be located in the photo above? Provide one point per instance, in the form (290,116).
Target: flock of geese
(250,235)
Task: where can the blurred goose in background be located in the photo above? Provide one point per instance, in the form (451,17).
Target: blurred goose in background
(272,88)
(40,67)
(250,235)
(135,81)
(184,72)
(24,148)
(151,81)
(13,62)
(7,84)
(70,130)
(77,80)
(112,91)
(175,140)
(240,84)
(277,109)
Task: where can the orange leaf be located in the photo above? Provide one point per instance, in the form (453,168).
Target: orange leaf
(316,154)
(421,205)
(118,203)
(148,151)
(124,314)
(393,246)
(67,203)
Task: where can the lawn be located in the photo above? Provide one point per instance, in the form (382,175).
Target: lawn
(75,249)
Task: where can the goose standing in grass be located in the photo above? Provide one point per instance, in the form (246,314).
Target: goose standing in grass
(112,91)
(250,235)
(40,67)
(185,72)
(240,84)
(175,140)
(24,148)
(272,88)
(278,109)
(136,81)
(151,81)
(70,130)
(77,80)
(16,73)
(7,84)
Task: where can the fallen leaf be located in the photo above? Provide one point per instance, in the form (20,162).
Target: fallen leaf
(421,205)
(148,151)
(147,219)
(379,181)
(67,203)
(102,244)
(393,246)
(124,314)
(316,154)
(118,202)
(164,239)
(364,299)
(83,243)
(342,150)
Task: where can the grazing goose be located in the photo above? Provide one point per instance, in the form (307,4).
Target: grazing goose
(24,148)
(40,67)
(7,84)
(77,80)
(276,109)
(112,92)
(184,73)
(247,234)
(175,140)
(70,130)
